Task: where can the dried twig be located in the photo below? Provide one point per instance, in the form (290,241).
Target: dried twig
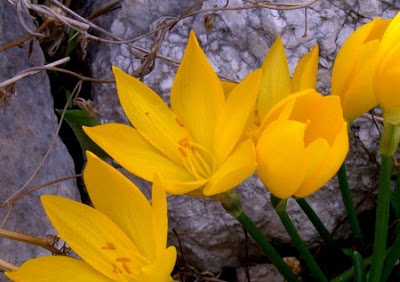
(33,70)
(46,243)
(7,266)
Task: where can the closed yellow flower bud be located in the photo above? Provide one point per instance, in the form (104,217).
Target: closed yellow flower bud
(354,69)
(387,76)
(303,142)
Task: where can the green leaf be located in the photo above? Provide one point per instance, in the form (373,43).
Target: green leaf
(76,119)
(360,274)
(73,41)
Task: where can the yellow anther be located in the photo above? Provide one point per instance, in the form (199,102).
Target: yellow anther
(179,122)
(123,259)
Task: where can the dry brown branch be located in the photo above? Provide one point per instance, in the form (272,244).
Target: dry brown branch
(33,70)
(7,266)
(12,200)
(46,243)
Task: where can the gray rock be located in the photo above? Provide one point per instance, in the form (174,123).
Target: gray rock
(236,45)
(259,273)
(27,126)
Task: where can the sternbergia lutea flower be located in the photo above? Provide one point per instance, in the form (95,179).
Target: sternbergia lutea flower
(276,82)
(303,142)
(123,239)
(195,145)
(354,69)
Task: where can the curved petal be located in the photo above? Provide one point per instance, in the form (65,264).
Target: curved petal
(315,154)
(120,200)
(346,59)
(150,115)
(387,85)
(281,157)
(391,36)
(160,214)
(56,268)
(233,119)
(228,86)
(197,97)
(360,96)
(161,268)
(329,167)
(94,237)
(275,82)
(324,119)
(236,168)
(179,188)
(305,74)
(124,144)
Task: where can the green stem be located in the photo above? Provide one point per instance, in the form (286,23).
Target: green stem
(349,205)
(232,204)
(280,207)
(316,221)
(382,218)
(391,258)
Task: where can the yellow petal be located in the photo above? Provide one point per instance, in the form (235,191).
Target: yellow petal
(228,86)
(360,96)
(233,119)
(120,200)
(390,38)
(387,85)
(295,106)
(149,114)
(160,214)
(344,65)
(275,81)
(324,119)
(56,268)
(161,268)
(197,97)
(236,168)
(329,166)
(280,157)
(179,188)
(124,144)
(305,74)
(315,155)
(94,237)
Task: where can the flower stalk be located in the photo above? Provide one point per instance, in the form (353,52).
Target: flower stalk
(232,204)
(349,205)
(280,208)
(388,145)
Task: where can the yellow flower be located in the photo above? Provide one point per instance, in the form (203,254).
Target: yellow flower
(277,84)
(387,77)
(196,146)
(302,144)
(354,69)
(123,239)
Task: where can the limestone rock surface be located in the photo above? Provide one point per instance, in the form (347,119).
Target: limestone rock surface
(27,126)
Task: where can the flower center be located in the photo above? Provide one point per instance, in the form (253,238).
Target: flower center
(194,158)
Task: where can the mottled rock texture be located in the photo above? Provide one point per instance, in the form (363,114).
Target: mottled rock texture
(27,126)
(236,45)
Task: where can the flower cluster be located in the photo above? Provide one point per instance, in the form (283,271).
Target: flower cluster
(214,136)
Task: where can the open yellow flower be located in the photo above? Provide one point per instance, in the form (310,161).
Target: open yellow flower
(354,69)
(387,76)
(277,84)
(123,239)
(196,146)
(302,144)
